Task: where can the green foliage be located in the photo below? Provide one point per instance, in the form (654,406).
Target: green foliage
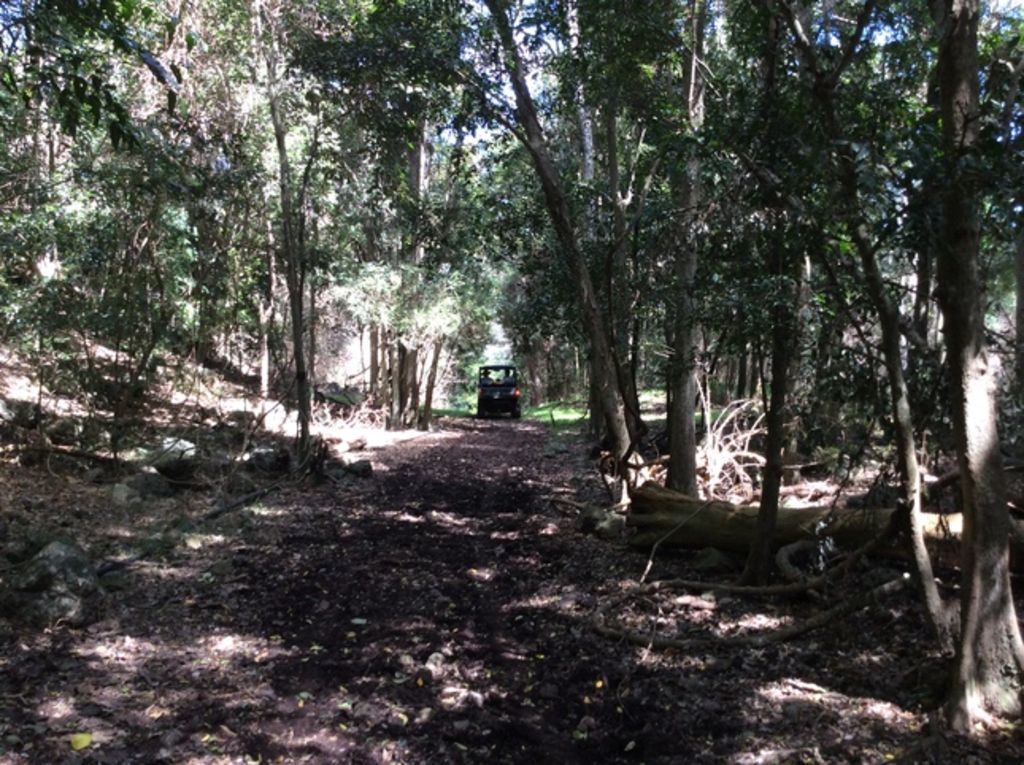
(173,244)
(65,59)
(559,416)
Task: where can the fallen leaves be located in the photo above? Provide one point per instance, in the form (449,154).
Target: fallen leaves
(80,741)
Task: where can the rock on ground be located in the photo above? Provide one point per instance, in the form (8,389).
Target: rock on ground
(56,585)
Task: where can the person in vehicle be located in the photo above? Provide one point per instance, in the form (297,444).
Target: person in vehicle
(485,378)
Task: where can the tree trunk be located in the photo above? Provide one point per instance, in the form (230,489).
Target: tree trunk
(585,124)
(899,397)
(394,420)
(990,654)
(741,374)
(374,362)
(922,311)
(616,275)
(682,467)
(857,226)
(603,370)
(679,520)
(291,239)
(410,386)
(536,384)
(596,423)
(759,559)
(266,314)
(428,396)
(312,335)
(294,277)
(1020,310)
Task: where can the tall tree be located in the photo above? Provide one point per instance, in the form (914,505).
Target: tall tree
(824,82)
(780,258)
(987,676)
(603,368)
(686,184)
(269,37)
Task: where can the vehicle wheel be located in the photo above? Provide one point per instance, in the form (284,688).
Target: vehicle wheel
(516,414)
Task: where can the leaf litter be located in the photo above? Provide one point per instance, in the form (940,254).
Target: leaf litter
(440,612)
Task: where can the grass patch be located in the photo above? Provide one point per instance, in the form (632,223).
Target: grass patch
(559,415)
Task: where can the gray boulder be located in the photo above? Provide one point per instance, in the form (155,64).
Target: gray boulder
(171,450)
(147,484)
(58,584)
(21,414)
(174,458)
(359,468)
(65,432)
(269,460)
(121,494)
(604,524)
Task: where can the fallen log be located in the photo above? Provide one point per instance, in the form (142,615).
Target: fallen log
(656,510)
(660,515)
(670,518)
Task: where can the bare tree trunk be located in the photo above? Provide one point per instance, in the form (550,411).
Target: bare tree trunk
(888,315)
(266,314)
(312,335)
(428,396)
(584,122)
(596,426)
(987,677)
(1020,310)
(603,366)
(759,558)
(784,342)
(394,421)
(616,273)
(410,386)
(374,361)
(536,384)
(682,467)
(597,422)
(291,239)
(921,317)
(741,373)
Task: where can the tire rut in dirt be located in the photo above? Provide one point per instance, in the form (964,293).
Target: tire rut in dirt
(412,600)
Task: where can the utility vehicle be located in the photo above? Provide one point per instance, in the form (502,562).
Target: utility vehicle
(498,391)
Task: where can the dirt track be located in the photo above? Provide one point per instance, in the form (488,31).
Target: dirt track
(438,612)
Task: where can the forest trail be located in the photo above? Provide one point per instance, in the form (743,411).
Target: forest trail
(439,612)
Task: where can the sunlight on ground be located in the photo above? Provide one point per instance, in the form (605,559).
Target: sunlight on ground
(533,602)
(450,523)
(481,574)
(751,623)
(447,519)
(378,438)
(794,690)
(195,541)
(263,511)
(122,659)
(408,518)
(508,536)
(58,709)
(167,572)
